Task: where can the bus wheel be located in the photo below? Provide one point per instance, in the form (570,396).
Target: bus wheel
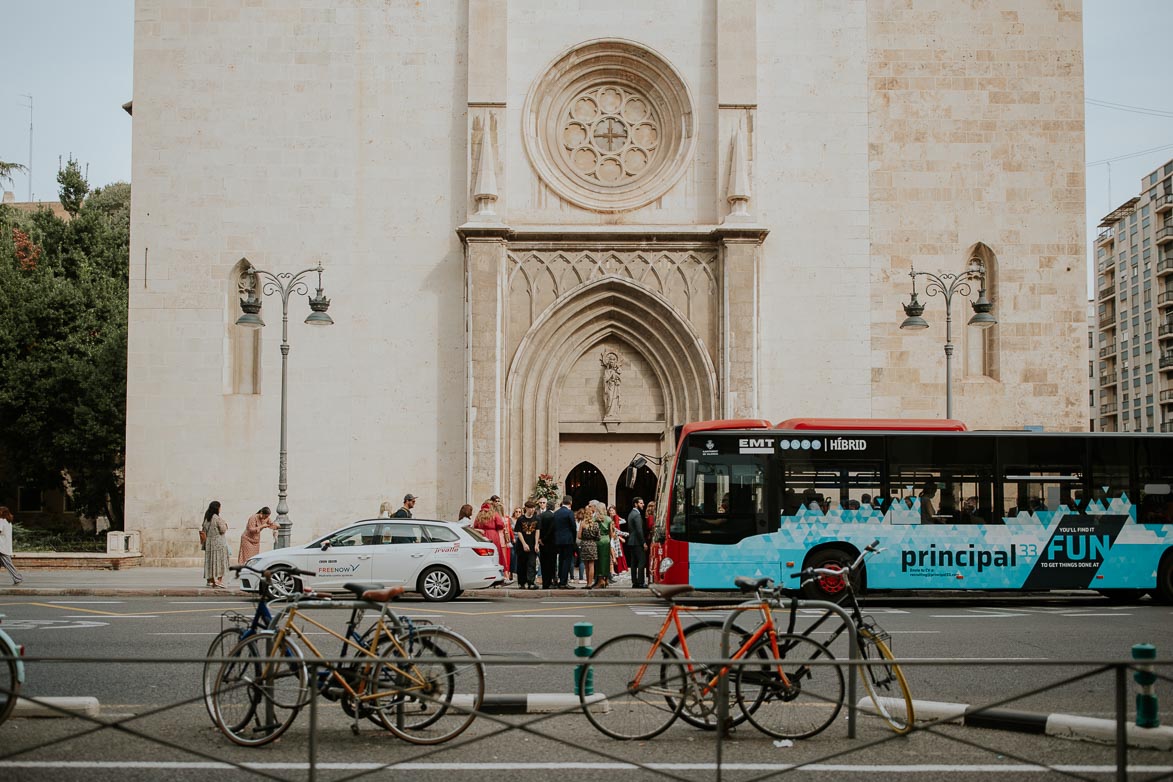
(828,588)
(1164,591)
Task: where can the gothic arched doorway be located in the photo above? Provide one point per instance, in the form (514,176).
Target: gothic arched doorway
(644,486)
(585,483)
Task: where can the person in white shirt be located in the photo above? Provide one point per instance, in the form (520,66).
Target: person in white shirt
(6,545)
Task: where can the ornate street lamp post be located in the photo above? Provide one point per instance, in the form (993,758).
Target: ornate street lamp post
(947,284)
(283,284)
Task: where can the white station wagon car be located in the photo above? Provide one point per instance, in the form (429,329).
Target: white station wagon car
(438,559)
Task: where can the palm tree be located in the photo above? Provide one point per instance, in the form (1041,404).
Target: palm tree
(8,169)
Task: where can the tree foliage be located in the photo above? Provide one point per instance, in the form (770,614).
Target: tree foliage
(63,327)
(8,169)
(72,186)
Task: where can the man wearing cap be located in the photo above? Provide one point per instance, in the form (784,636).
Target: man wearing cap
(405,511)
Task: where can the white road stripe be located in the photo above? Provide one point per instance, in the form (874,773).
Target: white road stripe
(921,768)
(86,602)
(973,616)
(111,616)
(1095,615)
(546,616)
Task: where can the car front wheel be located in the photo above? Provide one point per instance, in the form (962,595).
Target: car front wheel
(438,585)
(282,583)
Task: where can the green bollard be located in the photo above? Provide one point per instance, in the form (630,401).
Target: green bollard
(1146,699)
(583,632)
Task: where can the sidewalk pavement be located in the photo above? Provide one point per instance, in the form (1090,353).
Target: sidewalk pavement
(189,582)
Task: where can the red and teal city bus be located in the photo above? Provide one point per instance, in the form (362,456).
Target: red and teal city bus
(952,508)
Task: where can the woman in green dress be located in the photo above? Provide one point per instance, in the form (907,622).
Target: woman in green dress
(603,565)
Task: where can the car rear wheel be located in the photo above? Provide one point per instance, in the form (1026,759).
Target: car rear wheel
(438,584)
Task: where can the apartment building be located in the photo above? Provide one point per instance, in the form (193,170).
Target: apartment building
(1133,352)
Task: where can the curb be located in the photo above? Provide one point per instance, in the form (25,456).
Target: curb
(531,703)
(1066,726)
(85,705)
(509,593)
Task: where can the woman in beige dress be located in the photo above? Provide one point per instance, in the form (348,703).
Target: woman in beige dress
(216,547)
(250,539)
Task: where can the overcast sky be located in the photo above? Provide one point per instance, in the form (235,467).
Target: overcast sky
(74,57)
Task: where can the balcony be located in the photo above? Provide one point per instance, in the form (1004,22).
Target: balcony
(1165,298)
(1108,350)
(1105,236)
(1106,265)
(1107,293)
(1108,409)
(1167,361)
(1163,202)
(1167,426)
(1108,380)
(1164,235)
(1166,330)
(1165,265)
(1167,396)
(1109,318)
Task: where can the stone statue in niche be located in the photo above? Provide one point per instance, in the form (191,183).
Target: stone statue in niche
(612,377)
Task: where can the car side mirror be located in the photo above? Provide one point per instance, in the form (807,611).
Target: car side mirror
(325,545)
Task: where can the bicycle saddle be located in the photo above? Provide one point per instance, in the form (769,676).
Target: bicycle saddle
(747,584)
(382,595)
(357,588)
(669,591)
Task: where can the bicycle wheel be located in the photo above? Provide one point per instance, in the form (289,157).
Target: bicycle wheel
(254,702)
(704,643)
(9,688)
(220,647)
(884,681)
(642,692)
(428,688)
(802,704)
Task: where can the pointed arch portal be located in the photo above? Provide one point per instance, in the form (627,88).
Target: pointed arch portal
(607,309)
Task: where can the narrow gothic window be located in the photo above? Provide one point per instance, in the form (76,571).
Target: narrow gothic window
(981,345)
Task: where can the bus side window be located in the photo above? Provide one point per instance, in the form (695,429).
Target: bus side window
(1155,460)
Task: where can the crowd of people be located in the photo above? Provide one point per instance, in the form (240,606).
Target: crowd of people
(560,547)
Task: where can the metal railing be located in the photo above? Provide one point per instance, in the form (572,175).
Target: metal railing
(565,727)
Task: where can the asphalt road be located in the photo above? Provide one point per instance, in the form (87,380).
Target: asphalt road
(948,647)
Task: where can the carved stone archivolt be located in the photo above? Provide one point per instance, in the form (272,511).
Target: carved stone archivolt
(687,278)
(609,125)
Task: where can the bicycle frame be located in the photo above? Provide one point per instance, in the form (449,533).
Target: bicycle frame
(765,628)
(288,627)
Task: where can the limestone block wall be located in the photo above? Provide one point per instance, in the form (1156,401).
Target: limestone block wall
(292,133)
(811,191)
(976,135)
(640,397)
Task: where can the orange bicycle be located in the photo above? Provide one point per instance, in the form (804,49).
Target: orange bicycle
(647,682)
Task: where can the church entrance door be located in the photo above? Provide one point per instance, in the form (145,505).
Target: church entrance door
(607,454)
(585,483)
(644,487)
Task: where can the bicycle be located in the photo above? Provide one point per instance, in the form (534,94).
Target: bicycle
(11,673)
(650,683)
(883,679)
(403,676)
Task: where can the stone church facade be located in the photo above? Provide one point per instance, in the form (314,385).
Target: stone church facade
(552,230)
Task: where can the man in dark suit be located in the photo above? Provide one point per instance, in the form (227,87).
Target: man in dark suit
(636,546)
(565,532)
(547,551)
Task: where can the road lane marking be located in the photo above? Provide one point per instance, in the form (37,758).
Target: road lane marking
(87,602)
(113,616)
(973,616)
(868,769)
(547,616)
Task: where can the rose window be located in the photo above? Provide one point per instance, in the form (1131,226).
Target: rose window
(609,125)
(609,135)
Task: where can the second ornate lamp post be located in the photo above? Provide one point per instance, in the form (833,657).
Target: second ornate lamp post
(946,285)
(283,284)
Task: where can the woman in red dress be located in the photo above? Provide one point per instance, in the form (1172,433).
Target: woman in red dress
(490,524)
(617,537)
